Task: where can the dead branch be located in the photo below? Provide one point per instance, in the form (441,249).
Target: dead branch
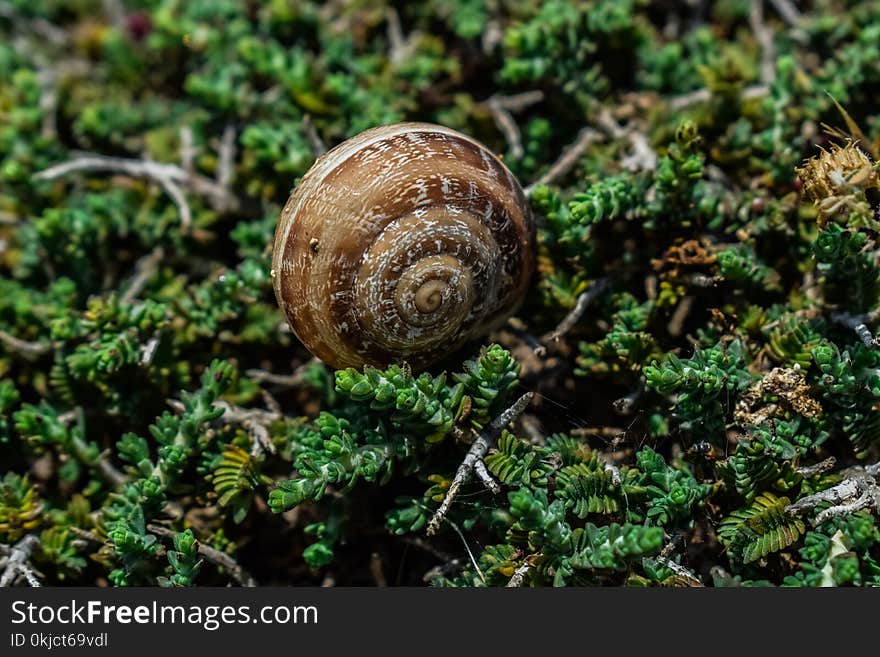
(858,490)
(568,159)
(520,101)
(144,269)
(681,573)
(226,157)
(574,315)
(492,36)
(398,44)
(680,315)
(287,380)
(478,450)
(507,126)
(485,478)
(519,575)
(765,39)
(116,13)
(853,321)
(148,350)
(788,12)
(187,150)
(819,468)
(866,336)
(24,348)
(255,421)
(500,107)
(16,562)
(318,145)
(705,95)
(642,157)
(39,26)
(169,177)
(377,571)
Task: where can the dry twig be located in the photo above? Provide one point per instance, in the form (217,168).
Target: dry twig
(568,322)
(143,272)
(148,350)
(26,349)
(168,176)
(500,107)
(866,336)
(254,420)
(765,39)
(397,42)
(16,562)
(787,11)
(705,95)
(854,321)
(187,150)
(818,468)
(475,454)
(226,157)
(485,478)
(682,574)
(318,145)
(377,571)
(858,490)
(568,159)
(287,380)
(44,29)
(643,157)
(507,126)
(519,575)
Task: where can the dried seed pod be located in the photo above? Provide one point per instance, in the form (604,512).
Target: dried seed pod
(400,244)
(837,179)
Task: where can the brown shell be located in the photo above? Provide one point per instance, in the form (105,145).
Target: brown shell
(400,244)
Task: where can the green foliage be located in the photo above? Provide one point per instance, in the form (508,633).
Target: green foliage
(516,463)
(626,347)
(840,552)
(702,386)
(851,280)
(765,458)
(131,509)
(58,546)
(791,341)
(391,419)
(235,478)
(8,398)
(569,45)
(760,529)
(605,200)
(416,403)
(740,264)
(20,507)
(486,381)
(718,242)
(848,381)
(587,552)
(184,561)
(673,493)
(589,487)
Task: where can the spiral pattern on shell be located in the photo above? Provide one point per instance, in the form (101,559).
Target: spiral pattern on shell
(400,244)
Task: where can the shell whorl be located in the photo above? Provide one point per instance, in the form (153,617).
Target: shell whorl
(401,244)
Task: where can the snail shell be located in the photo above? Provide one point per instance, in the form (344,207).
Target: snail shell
(401,244)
